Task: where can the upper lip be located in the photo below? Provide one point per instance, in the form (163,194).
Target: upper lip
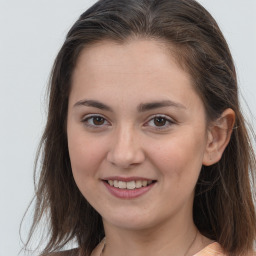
(126,179)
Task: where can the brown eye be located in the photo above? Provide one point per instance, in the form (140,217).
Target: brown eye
(159,121)
(95,121)
(98,120)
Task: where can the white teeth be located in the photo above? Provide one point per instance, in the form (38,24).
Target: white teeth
(144,183)
(130,184)
(111,182)
(138,184)
(116,183)
(122,184)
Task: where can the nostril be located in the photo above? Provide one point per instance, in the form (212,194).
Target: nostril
(128,158)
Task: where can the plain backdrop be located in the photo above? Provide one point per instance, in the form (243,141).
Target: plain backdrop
(31,33)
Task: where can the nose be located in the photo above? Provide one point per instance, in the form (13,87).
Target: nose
(126,150)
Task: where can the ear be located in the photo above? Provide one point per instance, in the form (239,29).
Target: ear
(218,136)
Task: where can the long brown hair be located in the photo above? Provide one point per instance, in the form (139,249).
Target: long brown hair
(223,204)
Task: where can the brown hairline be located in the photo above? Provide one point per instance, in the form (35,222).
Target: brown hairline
(223,192)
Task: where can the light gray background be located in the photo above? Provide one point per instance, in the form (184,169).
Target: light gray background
(31,32)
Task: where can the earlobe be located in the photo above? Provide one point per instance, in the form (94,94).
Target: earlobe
(219,134)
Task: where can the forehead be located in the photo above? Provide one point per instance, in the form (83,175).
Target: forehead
(137,69)
(146,57)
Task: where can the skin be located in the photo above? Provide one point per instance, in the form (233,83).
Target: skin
(121,137)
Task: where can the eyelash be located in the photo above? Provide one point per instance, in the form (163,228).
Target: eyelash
(164,118)
(89,119)
(86,121)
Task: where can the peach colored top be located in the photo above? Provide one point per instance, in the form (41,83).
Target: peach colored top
(213,249)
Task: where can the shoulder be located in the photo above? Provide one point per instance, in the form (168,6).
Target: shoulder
(215,249)
(72,252)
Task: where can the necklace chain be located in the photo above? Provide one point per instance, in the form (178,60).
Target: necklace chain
(191,244)
(104,244)
(194,239)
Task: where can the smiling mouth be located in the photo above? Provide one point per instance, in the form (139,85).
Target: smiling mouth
(130,184)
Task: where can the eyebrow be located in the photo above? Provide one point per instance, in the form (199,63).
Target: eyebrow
(159,104)
(93,103)
(143,107)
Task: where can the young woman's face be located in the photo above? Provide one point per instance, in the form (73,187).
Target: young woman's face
(137,134)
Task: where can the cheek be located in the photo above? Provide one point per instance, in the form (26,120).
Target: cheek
(85,154)
(179,157)
(85,157)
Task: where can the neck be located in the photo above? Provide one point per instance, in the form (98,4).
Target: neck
(164,240)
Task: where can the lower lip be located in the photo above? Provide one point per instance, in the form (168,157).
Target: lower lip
(128,193)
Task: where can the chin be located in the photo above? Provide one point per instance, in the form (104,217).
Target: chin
(130,220)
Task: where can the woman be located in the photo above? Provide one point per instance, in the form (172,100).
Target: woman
(145,151)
